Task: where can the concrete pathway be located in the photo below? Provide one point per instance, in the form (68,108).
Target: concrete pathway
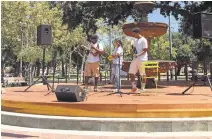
(12,132)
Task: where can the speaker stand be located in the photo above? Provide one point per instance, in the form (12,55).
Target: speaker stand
(54,67)
(204,77)
(42,77)
(44,82)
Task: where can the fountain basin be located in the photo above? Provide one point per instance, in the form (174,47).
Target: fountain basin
(148,29)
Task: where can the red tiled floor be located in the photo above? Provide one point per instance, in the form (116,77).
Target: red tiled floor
(168,96)
(168,93)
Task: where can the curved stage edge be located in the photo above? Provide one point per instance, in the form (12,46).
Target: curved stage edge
(158,103)
(110,110)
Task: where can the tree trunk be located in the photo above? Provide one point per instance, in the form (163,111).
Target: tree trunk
(2,71)
(2,68)
(47,70)
(30,73)
(33,71)
(63,70)
(178,70)
(17,69)
(26,71)
(70,64)
(66,71)
(38,68)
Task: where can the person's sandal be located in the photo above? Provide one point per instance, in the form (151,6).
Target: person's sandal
(115,91)
(86,90)
(134,90)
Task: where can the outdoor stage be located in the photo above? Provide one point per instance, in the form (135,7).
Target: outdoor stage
(166,101)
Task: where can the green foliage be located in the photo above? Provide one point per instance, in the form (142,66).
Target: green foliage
(184,46)
(112,12)
(203,51)
(86,13)
(32,53)
(19,33)
(184,53)
(159,48)
(108,33)
(20,21)
(184,10)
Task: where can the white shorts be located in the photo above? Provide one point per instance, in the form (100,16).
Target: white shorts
(135,66)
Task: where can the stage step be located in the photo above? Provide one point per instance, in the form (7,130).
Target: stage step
(107,124)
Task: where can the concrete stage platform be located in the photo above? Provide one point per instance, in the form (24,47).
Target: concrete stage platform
(165,102)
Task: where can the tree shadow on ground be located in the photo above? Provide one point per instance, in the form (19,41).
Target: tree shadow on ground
(12,135)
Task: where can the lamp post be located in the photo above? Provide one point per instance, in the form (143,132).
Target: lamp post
(170,45)
(170,38)
(21,59)
(110,37)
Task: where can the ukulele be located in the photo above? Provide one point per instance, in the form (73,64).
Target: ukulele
(94,52)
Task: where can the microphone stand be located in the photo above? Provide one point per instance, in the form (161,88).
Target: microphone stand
(119,86)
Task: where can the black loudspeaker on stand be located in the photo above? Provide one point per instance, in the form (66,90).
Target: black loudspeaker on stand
(44,37)
(202,25)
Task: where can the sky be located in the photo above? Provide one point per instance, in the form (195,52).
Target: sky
(155,16)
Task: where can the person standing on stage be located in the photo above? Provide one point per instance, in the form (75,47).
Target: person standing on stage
(140,54)
(117,62)
(92,63)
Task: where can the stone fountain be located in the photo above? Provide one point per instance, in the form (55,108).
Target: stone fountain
(149,30)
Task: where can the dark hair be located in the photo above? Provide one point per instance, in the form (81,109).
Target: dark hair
(136,30)
(94,37)
(119,42)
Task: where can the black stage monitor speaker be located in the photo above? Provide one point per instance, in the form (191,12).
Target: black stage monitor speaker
(202,25)
(44,35)
(70,93)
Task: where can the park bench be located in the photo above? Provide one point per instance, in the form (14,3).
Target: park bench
(14,81)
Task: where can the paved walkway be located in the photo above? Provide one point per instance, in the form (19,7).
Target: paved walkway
(11,132)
